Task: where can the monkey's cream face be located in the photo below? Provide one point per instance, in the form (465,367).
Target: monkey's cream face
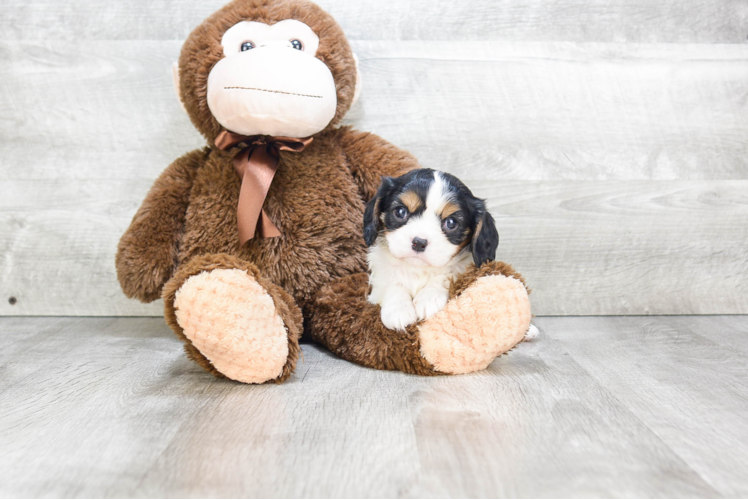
(270,82)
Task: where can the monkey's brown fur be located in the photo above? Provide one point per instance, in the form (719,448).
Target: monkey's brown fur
(187,223)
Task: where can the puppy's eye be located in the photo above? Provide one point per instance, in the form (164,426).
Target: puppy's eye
(400,213)
(247,45)
(296,44)
(449,223)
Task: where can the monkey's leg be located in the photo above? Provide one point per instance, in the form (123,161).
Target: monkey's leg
(487,314)
(347,324)
(234,322)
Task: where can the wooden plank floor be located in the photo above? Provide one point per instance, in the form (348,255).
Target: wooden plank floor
(595,406)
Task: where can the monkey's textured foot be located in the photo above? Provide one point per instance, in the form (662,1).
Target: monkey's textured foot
(488,314)
(235,323)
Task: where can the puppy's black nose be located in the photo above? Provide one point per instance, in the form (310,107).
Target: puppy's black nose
(419,244)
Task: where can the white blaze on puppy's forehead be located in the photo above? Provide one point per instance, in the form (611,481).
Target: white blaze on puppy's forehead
(426,226)
(261,34)
(439,195)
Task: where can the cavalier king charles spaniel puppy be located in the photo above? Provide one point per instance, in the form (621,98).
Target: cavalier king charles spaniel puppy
(422,230)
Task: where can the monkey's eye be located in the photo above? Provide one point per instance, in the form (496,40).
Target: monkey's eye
(400,213)
(296,44)
(247,45)
(450,223)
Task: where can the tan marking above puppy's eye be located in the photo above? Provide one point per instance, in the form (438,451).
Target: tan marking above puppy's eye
(449,209)
(411,200)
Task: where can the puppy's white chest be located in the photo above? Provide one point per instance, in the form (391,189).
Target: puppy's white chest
(414,279)
(386,272)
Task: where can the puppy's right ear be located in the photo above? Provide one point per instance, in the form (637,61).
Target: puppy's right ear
(485,237)
(372,214)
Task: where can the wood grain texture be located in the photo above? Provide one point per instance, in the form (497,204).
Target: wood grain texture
(586,248)
(635,247)
(666,21)
(561,111)
(722,330)
(614,407)
(527,111)
(671,375)
(615,161)
(90,110)
(58,245)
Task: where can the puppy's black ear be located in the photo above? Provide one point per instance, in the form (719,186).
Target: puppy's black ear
(372,221)
(485,237)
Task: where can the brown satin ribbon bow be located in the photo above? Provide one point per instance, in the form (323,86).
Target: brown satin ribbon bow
(256,164)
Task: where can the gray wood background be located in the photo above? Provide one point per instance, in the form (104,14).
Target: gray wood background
(609,136)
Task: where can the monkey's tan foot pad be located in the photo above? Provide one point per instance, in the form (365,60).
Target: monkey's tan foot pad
(490,317)
(232,321)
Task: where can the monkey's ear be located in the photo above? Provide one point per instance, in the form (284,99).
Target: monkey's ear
(177,87)
(372,214)
(485,237)
(359,82)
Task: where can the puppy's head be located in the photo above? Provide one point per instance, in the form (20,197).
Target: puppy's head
(427,217)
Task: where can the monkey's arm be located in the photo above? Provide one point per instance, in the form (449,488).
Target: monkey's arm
(370,157)
(147,252)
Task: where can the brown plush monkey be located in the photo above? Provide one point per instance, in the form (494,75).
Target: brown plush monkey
(257,238)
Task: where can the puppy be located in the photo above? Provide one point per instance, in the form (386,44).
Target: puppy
(422,230)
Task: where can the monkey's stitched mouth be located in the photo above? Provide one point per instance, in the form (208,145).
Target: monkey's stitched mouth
(273,91)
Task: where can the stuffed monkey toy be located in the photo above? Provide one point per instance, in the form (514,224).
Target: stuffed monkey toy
(257,238)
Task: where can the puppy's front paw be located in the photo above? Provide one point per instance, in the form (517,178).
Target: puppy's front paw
(397,315)
(430,301)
